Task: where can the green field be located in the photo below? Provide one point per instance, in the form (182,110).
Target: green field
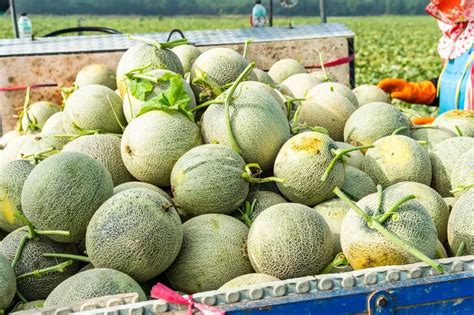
(386,46)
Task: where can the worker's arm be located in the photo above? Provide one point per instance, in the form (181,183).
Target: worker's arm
(423,92)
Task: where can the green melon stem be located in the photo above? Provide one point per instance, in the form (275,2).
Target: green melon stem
(25,112)
(339,155)
(39,156)
(462,188)
(233,141)
(458,131)
(40,272)
(247,212)
(68,256)
(19,250)
(387,234)
(461,248)
(339,261)
(379,200)
(115,113)
(67,91)
(249,177)
(321,63)
(206,104)
(21,297)
(246,46)
(29,225)
(398,130)
(52,233)
(387,215)
(164,45)
(410,112)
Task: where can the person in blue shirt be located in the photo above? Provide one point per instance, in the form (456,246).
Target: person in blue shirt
(453,89)
(259,14)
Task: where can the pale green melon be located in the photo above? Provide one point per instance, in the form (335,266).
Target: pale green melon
(12,150)
(444,158)
(302,162)
(289,241)
(263,200)
(105,149)
(248,280)
(33,305)
(187,54)
(64,191)
(324,76)
(358,184)
(152,143)
(94,107)
(432,134)
(364,247)
(221,66)
(212,254)
(354,158)
(395,159)
(374,121)
(142,55)
(42,145)
(298,85)
(327,108)
(137,232)
(7,283)
(97,74)
(462,174)
(257,121)
(7,137)
(462,119)
(37,288)
(430,199)
(449,202)
(133,105)
(441,251)
(131,185)
(340,88)
(263,77)
(54,124)
(285,68)
(461,224)
(38,114)
(94,283)
(12,178)
(367,93)
(333,211)
(207,179)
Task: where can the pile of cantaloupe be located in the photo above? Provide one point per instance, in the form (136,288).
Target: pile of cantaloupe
(204,172)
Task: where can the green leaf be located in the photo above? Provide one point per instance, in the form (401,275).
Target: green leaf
(140,88)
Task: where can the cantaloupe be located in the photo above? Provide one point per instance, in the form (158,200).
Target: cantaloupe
(97,74)
(219,67)
(33,305)
(285,68)
(301,163)
(444,157)
(131,185)
(340,88)
(92,284)
(449,202)
(461,224)
(367,93)
(333,211)
(12,150)
(93,107)
(298,85)
(105,149)
(8,136)
(324,76)
(38,114)
(37,288)
(248,280)
(133,105)
(212,254)
(41,146)
(143,55)
(358,184)
(365,247)
(187,54)
(64,191)
(462,175)
(432,134)
(354,158)
(208,179)
(54,124)
(457,119)
(374,121)
(263,77)
(288,241)
(327,108)
(257,121)
(430,199)
(263,200)
(395,159)
(12,178)
(7,283)
(137,232)
(153,142)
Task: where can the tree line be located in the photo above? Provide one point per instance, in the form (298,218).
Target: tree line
(222,7)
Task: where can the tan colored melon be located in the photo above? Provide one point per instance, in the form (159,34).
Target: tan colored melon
(397,159)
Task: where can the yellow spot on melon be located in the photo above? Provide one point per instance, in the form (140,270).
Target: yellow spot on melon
(8,210)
